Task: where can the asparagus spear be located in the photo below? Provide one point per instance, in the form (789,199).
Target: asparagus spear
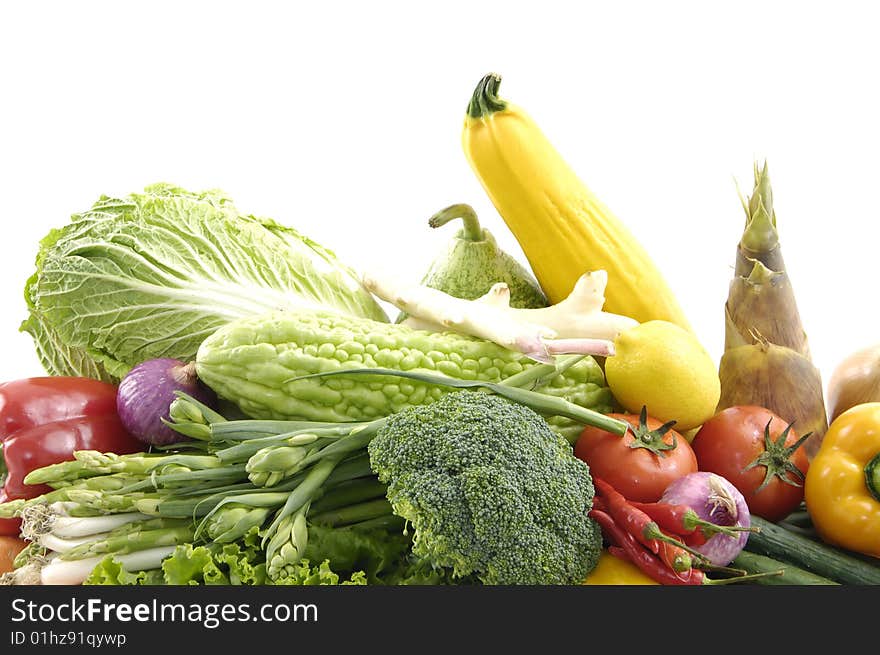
(88,463)
(137,538)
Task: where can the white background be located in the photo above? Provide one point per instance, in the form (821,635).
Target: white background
(344,121)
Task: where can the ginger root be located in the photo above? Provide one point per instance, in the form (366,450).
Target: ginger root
(574,325)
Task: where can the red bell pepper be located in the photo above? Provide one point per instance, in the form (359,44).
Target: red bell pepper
(44,420)
(56,442)
(8,527)
(30,402)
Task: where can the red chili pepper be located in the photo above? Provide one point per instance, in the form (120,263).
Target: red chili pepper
(649,563)
(692,576)
(627,514)
(689,577)
(695,538)
(633,520)
(675,557)
(683,520)
(675,518)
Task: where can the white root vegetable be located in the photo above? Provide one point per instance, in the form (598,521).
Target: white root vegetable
(29,574)
(41,521)
(73,572)
(71,527)
(50,541)
(574,325)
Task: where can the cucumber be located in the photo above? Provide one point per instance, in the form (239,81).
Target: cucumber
(775,541)
(792,575)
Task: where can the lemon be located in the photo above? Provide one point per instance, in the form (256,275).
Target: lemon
(665,368)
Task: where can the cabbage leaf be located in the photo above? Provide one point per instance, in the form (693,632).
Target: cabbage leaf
(153,274)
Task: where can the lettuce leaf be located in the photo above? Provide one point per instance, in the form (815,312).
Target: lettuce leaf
(110,572)
(153,274)
(376,553)
(334,556)
(306,574)
(238,563)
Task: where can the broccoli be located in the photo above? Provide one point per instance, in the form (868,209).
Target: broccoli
(490,490)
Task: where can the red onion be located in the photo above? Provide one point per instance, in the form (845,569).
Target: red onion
(714,499)
(145,395)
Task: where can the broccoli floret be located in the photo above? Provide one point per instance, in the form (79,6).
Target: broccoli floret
(490,490)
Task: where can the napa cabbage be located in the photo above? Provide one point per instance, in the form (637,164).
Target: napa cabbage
(154,273)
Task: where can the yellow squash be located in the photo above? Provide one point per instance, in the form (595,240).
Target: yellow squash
(563,229)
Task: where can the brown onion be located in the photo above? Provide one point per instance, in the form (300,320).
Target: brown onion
(856,380)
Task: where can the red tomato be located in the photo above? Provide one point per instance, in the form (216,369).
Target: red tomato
(640,464)
(745,444)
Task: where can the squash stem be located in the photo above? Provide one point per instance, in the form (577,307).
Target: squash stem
(485,99)
(472,230)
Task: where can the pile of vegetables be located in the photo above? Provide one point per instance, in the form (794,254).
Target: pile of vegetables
(699,524)
(228,403)
(490,492)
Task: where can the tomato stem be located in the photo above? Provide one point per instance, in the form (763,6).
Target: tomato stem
(776,458)
(652,439)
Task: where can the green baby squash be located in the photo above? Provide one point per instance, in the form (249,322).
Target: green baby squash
(472,262)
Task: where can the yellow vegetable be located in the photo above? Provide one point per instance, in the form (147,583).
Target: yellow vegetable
(665,368)
(563,229)
(842,487)
(611,570)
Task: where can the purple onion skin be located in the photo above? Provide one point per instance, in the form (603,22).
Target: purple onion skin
(145,395)
(715,499)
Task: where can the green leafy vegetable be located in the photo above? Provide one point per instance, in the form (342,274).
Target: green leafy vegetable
(110,572)
(302,573)
(334,556)
(153,274)
(57,357)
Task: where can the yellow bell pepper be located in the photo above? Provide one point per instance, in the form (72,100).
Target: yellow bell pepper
(611,570)
(842,486)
